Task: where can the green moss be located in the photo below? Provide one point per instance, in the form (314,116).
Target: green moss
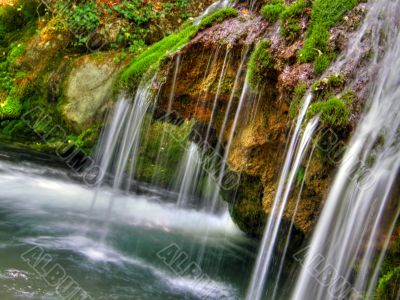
(15,17)
(389,285)
(288,14)
(218,17)
(325,14)
(158,158)
(322,63)
(10,108)
(87,139)
(301,172)
(246,207)
(260,65)
(153,55)
(333,113)
(272,12)
(297,98)
(295,9)
(327,87)
(291,29)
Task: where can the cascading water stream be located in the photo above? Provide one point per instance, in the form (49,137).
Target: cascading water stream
(294,157)
(120,143)
(189,175)
(359,216)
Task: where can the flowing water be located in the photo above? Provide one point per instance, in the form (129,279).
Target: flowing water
(294,157)
(41,206)
(359,216)
(359,219)
(62,239)
(189,175)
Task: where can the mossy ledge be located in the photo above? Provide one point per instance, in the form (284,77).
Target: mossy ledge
(153,55)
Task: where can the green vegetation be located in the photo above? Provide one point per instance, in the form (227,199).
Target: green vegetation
(246,207)
(82,20)
(289,15)
(300,175)
(260,65)
(11,106)
(273,10)
(325,14)
(153,55)
(15,17)
(327,87)
(217,17)
(17,23)
(297,98)
(322,63)
(389,282)
(88,21)
(158,158)
(333,113)
(388,286)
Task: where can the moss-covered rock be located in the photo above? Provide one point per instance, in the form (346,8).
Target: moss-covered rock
(325,14)
(88,87)
(246,208)
(261,67)
(150,59)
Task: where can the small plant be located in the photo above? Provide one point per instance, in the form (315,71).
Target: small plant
(82,21)
(260,65)
(138,11)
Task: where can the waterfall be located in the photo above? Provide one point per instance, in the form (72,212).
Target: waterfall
(296,151)
(119,144)
(213,8)
(189,175)
(359,215)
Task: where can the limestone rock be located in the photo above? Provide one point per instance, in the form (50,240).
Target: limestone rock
(88,87)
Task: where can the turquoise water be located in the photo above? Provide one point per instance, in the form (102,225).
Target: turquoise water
(51,248)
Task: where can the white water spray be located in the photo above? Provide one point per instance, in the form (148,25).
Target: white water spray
(359,216)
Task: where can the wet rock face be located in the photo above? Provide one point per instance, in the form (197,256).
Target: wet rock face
(192,82)
(194,78)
